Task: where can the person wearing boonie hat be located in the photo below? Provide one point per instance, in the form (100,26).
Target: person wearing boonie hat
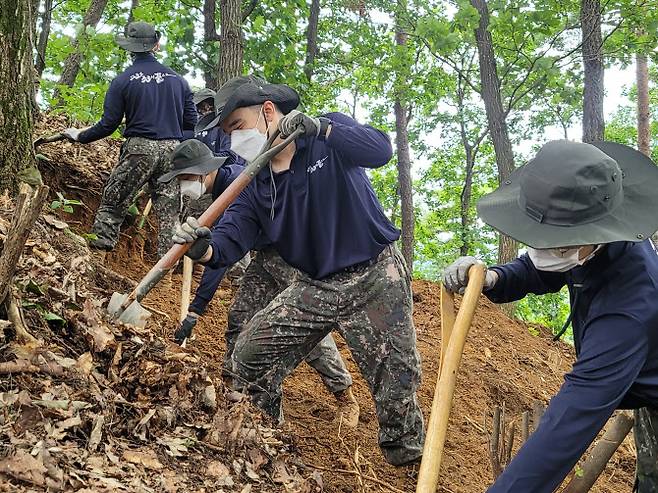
(199,173)
(157,105)
(586,213)
(316,205)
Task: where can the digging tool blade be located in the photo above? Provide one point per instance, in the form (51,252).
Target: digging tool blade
(135,314)
(120,303)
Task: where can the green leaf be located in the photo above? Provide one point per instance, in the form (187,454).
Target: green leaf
(54,318)
(67,208)
(56,204)
(34,288)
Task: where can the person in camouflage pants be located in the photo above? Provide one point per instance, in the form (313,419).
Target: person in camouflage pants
(371,307)
(266,276)
(141,162)
(646,443)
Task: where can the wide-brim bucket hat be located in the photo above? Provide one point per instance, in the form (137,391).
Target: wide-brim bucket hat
(203,94)
(249,90)
(573,194)
(192,157)
(140,37)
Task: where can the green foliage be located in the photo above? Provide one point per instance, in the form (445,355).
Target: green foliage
(550,310)
(64,204)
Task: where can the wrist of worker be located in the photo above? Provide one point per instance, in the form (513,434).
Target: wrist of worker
(491,279)
(206,256)
(325,128)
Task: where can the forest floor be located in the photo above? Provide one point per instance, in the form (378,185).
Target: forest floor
(173,426)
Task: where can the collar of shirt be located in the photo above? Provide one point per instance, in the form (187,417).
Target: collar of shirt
(143,58)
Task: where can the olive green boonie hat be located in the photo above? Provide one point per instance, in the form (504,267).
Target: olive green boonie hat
(192,157)
(203,94)
(572,194)
(248,90)
(139,37)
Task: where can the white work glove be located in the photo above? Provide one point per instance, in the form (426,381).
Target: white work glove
(455,277)
(72,134)
(289,123)
(192,232)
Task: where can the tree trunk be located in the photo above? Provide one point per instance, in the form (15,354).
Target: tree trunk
(72,62)
(210,36)
(46,17)
(230,41)
(401,108)
(507,247)
(643,126)
(16,91)
(465,202)
(312,39)
(593,122)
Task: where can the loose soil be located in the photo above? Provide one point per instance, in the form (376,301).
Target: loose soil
(503,363)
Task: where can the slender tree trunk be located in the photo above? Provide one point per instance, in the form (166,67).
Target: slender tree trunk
(465,203)
(73,61)
(46,17)
(210,36)
(401,107)
(507,247)
(312,39)
(16,91)
(230,41)
(643,124)
(131,15)
(593,121)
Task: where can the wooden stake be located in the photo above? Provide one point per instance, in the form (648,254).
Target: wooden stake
(594,465)
(188,267)
(447,323)
(437,428)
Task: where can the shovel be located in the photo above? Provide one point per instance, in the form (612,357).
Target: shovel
(126,307)
(452,346)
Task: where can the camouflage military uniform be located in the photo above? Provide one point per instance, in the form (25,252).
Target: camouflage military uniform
(267,275)
(371,306)
(141,161)
(646,443)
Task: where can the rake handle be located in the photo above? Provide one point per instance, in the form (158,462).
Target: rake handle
(437,428)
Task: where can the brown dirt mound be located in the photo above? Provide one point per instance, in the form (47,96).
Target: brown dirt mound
(503,363)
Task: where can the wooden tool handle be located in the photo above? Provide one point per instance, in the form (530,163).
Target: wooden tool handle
(208,218)
(437,428)
(188,267)
(447,323)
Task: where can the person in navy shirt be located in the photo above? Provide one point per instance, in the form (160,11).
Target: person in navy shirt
(200,173)
(158,107)
(316,206)
(586,212)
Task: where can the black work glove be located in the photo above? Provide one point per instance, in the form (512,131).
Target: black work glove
(191,232)
(184,330)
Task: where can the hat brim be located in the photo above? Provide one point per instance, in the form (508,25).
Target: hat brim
(206,122)
(133,46)
(635,219)
(196,168)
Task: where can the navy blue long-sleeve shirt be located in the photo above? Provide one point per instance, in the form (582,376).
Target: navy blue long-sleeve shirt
(326,214)
(156,101)
(615,326)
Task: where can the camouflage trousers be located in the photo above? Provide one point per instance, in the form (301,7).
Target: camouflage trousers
(371,307)
(142,161)
(265,277)
(646,443)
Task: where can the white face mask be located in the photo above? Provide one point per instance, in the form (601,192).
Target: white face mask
(552,260)
(248,142)
(192,189)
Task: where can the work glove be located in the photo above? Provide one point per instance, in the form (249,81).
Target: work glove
(455,277)
(289,123)
(192,232)
(184,330)
(72,134)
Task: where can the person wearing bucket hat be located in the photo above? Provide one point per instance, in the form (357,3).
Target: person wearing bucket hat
(586,213)
(316,205)
(198,173)
(157,105)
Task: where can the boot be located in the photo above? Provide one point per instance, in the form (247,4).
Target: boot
(348,408)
